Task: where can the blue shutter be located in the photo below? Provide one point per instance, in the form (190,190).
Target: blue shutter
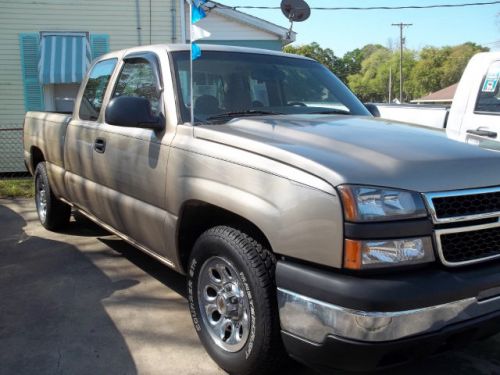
(29,44)
(99,43)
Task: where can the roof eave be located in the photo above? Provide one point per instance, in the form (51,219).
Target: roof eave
(253,21)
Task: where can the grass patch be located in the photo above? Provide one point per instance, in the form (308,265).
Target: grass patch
(17,188)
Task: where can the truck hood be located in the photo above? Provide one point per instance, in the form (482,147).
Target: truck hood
(362,150)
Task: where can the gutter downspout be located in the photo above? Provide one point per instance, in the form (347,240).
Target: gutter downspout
(138,22)
(174,22)
(183,20)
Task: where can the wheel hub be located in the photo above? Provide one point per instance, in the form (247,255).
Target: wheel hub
(41,199)
(229,304)
(224,304)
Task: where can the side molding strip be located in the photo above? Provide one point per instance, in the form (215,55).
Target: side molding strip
(124,237)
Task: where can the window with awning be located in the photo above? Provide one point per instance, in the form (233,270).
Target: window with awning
(64,57)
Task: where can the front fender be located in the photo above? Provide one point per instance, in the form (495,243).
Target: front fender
(299,221)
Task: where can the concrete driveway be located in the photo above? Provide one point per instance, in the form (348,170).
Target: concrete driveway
(85,302)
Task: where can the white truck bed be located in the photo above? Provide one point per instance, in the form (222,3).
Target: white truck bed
(427,115)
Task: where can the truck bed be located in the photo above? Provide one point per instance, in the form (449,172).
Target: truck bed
(46,131)
(433,116)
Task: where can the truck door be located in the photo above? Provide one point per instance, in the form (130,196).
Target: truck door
(130,164)
(481,123)
(80,136)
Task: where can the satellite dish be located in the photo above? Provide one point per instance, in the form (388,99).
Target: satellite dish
(295,10)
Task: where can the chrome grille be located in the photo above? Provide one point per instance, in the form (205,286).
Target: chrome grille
(467,205)
(463,205)
(472,245)
(478,213)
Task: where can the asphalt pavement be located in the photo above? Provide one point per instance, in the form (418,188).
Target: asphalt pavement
(85,302)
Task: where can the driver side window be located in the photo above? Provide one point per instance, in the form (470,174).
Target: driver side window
(93,95)
(138,78)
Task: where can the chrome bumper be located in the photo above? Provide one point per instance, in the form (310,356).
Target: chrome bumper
(314,320)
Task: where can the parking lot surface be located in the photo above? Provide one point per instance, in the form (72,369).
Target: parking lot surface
(85,302)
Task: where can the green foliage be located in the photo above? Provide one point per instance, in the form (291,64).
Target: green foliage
(17,188)
(351,62)
(366,70)
(324,55)
(371,83)
(438,68)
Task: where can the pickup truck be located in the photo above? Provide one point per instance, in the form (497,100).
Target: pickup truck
(474,116)
(304,225)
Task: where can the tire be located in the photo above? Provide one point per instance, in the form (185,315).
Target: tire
(242,334)
(52,213)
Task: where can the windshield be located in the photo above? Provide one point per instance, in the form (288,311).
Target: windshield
(234,84)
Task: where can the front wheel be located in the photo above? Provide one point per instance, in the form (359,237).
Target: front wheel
(232,298)
(53,213)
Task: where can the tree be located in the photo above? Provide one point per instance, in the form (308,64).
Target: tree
(427,74)
(351,61)
(366,70)
(438,68)
(457,60)
(371,84)
(324,55)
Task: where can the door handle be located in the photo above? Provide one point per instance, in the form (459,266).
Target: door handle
(483,133)
(100,145)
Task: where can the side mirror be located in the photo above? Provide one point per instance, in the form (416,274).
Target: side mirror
(372,108)
(132,111)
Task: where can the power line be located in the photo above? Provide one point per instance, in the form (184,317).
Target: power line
(374,7)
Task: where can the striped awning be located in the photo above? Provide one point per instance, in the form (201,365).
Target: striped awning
(64,57)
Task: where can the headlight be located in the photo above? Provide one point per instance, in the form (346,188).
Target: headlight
(366,203)
(386,253)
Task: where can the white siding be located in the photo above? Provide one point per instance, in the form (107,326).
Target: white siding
(114,17)
(222,28)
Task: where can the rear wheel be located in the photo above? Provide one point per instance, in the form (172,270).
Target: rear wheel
(232,297)
(53,213)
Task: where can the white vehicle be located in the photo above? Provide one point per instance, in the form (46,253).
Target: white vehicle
(474,116)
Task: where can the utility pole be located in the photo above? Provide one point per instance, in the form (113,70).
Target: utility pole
(401,47)
(390,84)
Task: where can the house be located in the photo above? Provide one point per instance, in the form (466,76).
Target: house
(48,45)
(443,96)
(231,27)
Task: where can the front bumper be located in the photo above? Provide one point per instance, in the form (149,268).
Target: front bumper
(373,316)
(314,320)
(340,353)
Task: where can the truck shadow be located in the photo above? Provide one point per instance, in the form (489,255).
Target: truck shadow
(481,357)
(52,319)
(177,283)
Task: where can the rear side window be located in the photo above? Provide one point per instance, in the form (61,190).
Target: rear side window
(95,89)
(138,78)
(488,99)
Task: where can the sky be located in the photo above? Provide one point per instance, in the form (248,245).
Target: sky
(344,31)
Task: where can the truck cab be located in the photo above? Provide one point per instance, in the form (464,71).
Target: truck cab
(303,225)
(475,113)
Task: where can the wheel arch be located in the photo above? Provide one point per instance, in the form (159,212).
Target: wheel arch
(36,157)
(197,216)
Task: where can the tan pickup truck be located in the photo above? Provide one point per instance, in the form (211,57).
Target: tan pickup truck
(304,225)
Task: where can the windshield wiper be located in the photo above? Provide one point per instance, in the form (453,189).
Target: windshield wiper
(250,112)
(330,112)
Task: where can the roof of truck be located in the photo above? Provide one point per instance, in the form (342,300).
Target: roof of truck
(159,48)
